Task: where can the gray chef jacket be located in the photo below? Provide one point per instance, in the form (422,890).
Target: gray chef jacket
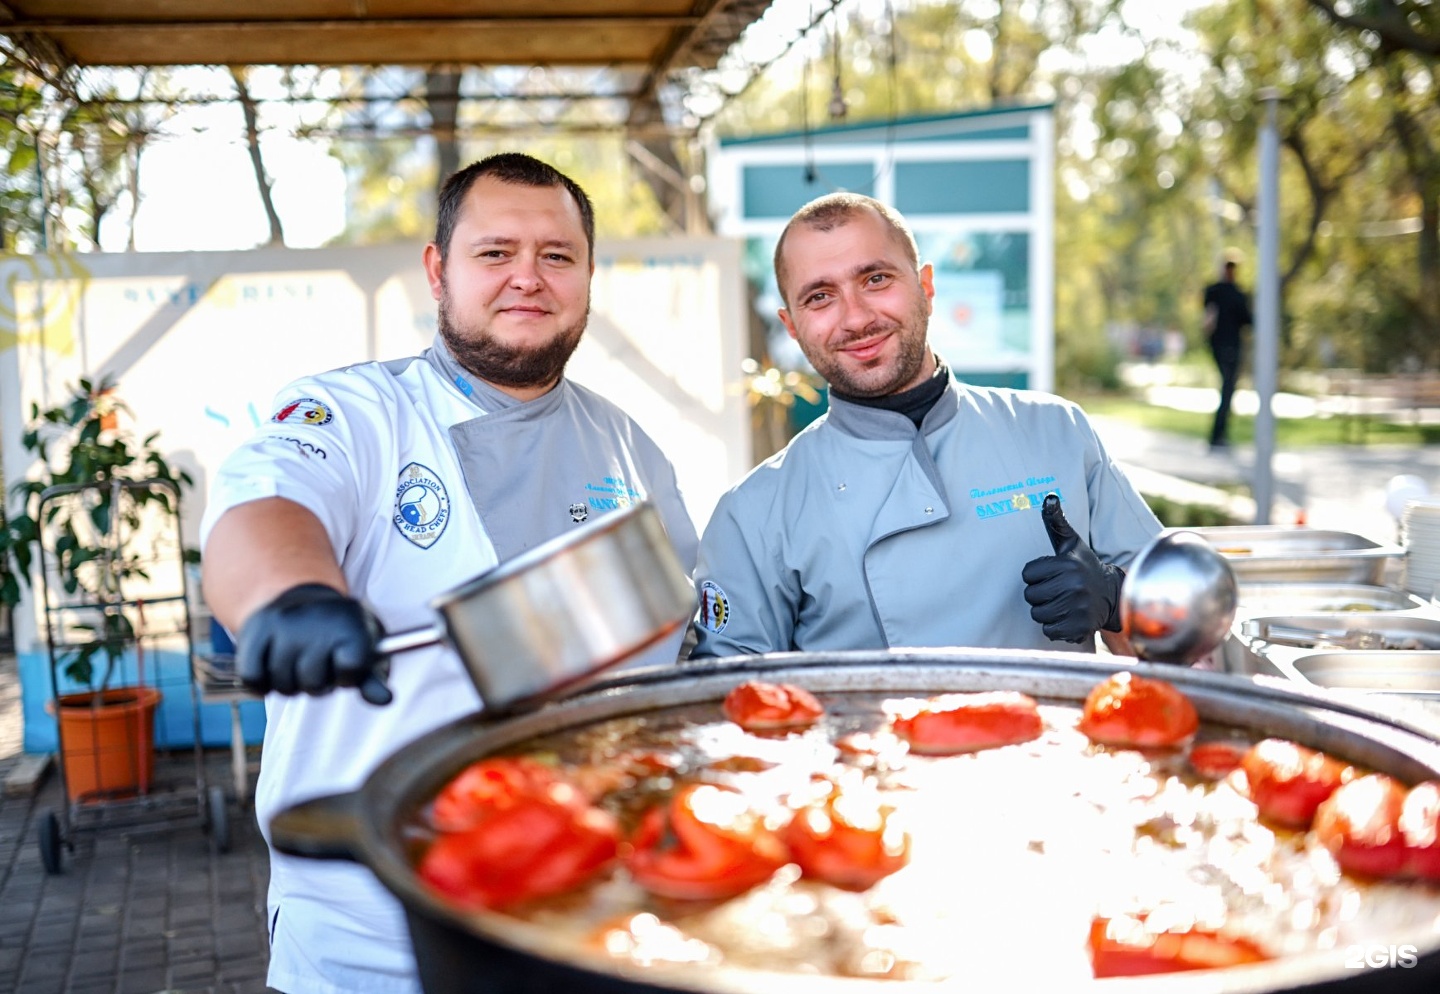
(866,532)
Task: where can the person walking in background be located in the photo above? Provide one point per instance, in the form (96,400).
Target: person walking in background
(1227,313)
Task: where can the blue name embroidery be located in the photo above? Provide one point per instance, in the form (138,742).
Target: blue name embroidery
(1010,505)
(619,494)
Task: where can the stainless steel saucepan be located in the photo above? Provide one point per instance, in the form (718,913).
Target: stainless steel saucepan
(569,608)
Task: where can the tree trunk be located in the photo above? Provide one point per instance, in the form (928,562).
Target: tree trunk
(132,162)
(257,160)
(442,96)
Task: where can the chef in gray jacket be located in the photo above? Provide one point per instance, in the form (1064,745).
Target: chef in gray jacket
(919,511)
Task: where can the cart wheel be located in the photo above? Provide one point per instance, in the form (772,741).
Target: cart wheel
(219,820)
(49,829)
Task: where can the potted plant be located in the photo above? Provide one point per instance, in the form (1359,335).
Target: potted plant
(70,514)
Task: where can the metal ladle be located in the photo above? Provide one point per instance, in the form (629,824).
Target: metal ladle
(1178,599)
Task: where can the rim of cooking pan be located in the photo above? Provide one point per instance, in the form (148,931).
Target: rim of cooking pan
(551,549)
(1407,747)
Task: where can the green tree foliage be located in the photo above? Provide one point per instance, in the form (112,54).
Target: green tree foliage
(1157,149)
(72,148)
(393,177)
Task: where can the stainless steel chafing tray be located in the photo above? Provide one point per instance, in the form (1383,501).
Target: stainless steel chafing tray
(1277,553)
(1383,671)
(1401,632)
(1350,598)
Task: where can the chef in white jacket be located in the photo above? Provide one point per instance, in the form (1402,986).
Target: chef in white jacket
(915,512)
(373,488)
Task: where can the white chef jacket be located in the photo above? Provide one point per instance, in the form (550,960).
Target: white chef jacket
(867,533)
(371,450)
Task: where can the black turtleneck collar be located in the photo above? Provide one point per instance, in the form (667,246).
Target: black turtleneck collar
(914,403)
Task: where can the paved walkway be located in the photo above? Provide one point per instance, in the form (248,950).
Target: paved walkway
(138,909)
(1341,487)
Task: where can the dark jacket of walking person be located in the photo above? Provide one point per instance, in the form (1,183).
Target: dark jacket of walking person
(1227,312)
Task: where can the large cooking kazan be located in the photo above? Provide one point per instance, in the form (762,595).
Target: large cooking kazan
(464,951)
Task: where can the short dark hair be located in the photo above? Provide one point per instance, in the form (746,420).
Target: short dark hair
(833,210)
(507,167)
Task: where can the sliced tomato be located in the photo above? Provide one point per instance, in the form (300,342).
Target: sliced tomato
(1137,711)
(487,786)
(1216,760)
(1124,948)
(955,723)
(1288,782)
(536,846)
(704,844)
(847,839)
(759,706)
(1420,828)
(1360,824)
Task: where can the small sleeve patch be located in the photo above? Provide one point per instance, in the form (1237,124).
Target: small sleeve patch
(304,411)
(714,613)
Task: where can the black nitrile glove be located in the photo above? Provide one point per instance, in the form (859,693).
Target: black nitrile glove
(1072,593)
(310,640)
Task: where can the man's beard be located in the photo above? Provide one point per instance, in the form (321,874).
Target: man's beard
(518,367)
(910,359)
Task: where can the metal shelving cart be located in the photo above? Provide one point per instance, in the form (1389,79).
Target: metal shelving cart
(125,602)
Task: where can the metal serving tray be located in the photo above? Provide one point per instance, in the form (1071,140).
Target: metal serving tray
(1296,554)
(1248,654)
(1348,598)
(1396,628)
(1393,671)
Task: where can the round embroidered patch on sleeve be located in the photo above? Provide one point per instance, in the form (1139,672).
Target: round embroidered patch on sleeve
(305,411)
(714,613)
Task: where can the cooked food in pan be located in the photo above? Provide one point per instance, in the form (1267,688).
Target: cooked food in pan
(871,836)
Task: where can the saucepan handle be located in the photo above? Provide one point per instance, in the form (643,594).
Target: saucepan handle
(414,638)
(322,828)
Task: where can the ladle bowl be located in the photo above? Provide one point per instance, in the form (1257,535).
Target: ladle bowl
(1178,599)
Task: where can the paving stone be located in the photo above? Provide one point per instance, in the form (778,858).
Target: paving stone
(93,963)
(180,946)
(145,907)
(49,966)
(143,959)
(91,987)
(187,975)
(52,936)
(135,910)
(43,983)
(143,981)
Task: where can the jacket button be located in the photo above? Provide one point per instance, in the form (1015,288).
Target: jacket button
(929,510)
(840,487)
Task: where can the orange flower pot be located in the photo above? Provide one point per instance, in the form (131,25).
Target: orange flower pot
(107,748)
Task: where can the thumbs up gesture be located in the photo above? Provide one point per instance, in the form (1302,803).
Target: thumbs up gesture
(1071,594)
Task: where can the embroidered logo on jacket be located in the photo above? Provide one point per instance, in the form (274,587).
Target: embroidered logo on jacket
(1011,497)
(579,512)
(305,411)
(422,506)
(714,613)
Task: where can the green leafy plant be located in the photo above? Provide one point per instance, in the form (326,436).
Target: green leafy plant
(80,443)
